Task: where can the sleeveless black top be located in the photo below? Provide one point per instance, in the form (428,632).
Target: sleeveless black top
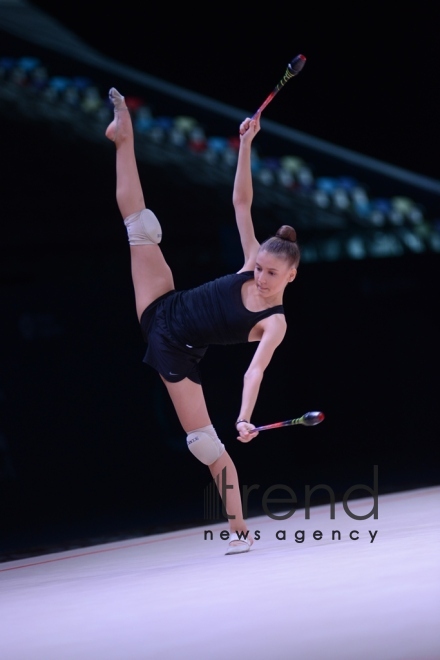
(213,313)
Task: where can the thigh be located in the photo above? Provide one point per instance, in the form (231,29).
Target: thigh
(189,403)
(151,275)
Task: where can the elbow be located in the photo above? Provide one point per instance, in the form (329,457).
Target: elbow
(254,375)
(241,203)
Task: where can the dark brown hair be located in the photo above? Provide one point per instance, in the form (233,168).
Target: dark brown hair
(284,245)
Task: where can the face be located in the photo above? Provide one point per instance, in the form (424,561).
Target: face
(272,273)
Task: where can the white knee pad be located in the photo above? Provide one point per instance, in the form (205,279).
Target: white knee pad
(143,228)
(205,445)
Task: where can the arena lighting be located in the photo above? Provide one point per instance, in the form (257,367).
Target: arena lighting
(91,100)
(379,211)
(292,164)
(180,132)
(56,85)
(293,172)
(77,92)
(197,139)
(346,187)
(385,244)
(388,226)
(305,177)
(339,192)
(143,119)
(380,244)
(324,189)
(321,199)
(356,248)
(215,148)
(411,241)
(408,209)
(360,201)
(230,154)
(433,238)
(185,124)
(285,178)
(160,128)
(266,171)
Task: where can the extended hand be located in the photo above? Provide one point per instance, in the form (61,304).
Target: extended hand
(246,432)
(249,128)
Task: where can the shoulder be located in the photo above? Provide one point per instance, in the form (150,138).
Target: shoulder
(245,274)
(248,266)
(273,327)
(273,330)
(233,278)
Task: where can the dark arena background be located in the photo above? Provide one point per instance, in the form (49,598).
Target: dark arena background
(112,535)
(90,447)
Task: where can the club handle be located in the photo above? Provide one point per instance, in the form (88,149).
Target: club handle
(308,419)
(277,425)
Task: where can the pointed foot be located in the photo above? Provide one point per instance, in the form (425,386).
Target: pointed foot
(239,543)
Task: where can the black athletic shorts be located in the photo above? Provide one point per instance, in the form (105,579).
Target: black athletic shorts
(172,359)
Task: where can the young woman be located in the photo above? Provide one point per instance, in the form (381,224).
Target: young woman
(178,326)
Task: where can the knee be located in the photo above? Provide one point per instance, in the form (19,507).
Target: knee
(143,228)
(205,445)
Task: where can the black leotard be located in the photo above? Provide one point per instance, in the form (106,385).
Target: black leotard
(191,320)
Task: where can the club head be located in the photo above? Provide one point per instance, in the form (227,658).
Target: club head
(313,418)
(296,64)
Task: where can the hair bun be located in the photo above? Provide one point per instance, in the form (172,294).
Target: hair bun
(287,233)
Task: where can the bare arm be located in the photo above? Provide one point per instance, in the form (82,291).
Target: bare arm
(273,334)
(243,192)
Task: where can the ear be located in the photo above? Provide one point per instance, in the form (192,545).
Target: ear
(292,275)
